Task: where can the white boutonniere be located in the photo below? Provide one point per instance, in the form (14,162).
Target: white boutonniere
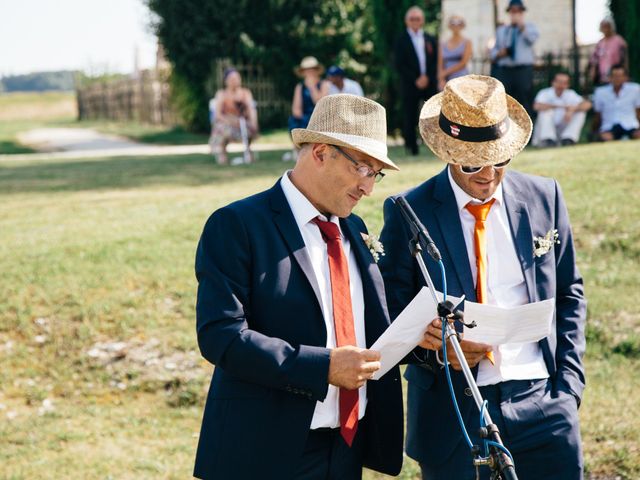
(542,245)
(374,245)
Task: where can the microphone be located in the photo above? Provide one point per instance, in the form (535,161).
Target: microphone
(417,228)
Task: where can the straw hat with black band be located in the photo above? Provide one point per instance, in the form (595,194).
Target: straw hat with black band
(474,122)
(348,121)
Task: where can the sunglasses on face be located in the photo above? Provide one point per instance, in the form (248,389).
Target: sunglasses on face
(470,170)
(362,170)
(456,23)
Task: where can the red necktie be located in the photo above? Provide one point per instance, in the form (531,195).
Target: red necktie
(480,212)
(343,320)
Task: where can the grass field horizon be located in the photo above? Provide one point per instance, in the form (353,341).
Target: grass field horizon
(100,376)
(23,111)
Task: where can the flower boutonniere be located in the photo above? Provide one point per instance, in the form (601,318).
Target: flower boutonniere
(542,245)
(374,245)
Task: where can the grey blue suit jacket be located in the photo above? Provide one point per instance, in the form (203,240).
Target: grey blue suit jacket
(534,206)
(259,321)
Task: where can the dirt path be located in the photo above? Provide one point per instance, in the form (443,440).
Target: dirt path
(61,143)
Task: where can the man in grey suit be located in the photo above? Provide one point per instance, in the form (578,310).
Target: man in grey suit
(505,240)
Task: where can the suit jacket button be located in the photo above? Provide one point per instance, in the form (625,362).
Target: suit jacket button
(468,392)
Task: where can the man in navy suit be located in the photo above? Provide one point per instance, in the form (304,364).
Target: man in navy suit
(289,299)
(520,250)
(417,64)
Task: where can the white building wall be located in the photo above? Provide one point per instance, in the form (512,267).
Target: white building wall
(552,17)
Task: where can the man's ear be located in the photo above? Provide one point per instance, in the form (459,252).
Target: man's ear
(319,152)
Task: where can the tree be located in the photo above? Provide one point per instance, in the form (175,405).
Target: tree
(626,14)
(359,35)
(387,23)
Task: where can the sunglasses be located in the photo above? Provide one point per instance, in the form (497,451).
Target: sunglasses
(470,170)
(362,170)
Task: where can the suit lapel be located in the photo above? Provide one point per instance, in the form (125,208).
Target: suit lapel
(520,224)
(286,224)
(448,219)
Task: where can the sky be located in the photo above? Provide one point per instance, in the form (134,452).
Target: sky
(97,36)
(103,36)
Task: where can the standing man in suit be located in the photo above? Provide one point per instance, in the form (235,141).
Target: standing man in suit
(505,240)
(513,54)
(417,64)
(289,298)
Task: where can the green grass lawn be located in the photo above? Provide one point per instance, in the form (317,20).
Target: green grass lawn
(96,251)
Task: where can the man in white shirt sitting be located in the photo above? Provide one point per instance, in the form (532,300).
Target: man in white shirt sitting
(341,84)
(617,107)
(561,114)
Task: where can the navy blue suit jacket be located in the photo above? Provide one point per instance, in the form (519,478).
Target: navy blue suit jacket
(534,206)
(408,65)
(259,321)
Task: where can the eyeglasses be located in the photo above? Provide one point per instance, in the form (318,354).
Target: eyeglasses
(363,170)
(470,170)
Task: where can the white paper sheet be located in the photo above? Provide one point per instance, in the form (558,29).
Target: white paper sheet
(407,330)
(498,325)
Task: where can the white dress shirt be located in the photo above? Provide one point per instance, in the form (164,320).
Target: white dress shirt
(350,86)
(568,98)
(617,109)
(417,38)
(506,288)
(327,413)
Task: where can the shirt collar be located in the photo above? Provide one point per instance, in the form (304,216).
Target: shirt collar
(302,209)
(462,197)
(413,34)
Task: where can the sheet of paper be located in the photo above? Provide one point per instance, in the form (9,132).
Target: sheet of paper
(499,325)
(406,331)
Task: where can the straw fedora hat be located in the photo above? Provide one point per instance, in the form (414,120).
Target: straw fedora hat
(474,122)
(308,63)
(348,121)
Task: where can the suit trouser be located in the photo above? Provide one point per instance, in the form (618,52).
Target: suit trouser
(546,128)
(326,456)
(538,425)
(518,82)
(411,101)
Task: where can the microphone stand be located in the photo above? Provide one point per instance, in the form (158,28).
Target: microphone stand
(498,461)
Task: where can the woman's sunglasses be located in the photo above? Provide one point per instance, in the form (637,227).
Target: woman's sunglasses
(470,170)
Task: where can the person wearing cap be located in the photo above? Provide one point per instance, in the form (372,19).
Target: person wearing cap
(505,240)
(290,297)
(341,84)
(513,54)
(416,59)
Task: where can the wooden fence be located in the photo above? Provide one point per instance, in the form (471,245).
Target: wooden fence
(273,109)
(145,99)
(574,62)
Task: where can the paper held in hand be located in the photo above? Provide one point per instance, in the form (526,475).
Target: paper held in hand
(498,325)
(495,326)
(407,330)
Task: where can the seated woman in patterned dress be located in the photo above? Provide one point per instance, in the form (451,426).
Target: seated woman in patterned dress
(234,112)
